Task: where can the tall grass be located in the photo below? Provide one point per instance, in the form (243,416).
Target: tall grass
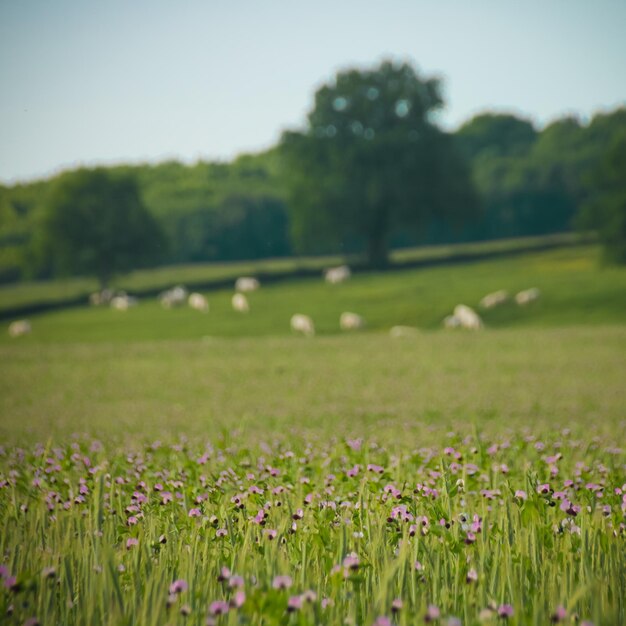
(467,526)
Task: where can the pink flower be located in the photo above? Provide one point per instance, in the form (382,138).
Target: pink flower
(221,532)
(396,605)
(131,542)
(237,600)
(195,513)
(282,582)
(235,582)
(520,494)
(382,621)
(294,604)
(219,607)
(432,613)
(559,614)
(178,586)
(505,611)
(270,533)
(472,576)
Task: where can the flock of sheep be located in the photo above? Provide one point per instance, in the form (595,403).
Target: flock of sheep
(463,316)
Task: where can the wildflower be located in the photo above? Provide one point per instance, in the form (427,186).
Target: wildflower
(505,611)
(178,586)
(131,542)
(235,582)
(432,613)
(396,605)
(219,607)
(326,602)
(351,562)
(559,615)
(472,576)
(454,621)
(270,533)
(282,582)
(294,604)
(185,610)
(223,575)
(49,572)
(237,600)
(309,596)
(221,532)
(32,621)
(382,621)
(195,513)
(521,495)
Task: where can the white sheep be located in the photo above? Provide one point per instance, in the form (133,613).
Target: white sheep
(246,283)
(176,296)
(527,296)
(451,321)
(198,302)
(123,302)
(302,324)
(494,299)
(240,303)
(19,328)
(99,298)
(351,321)
(468,318)
(335,275)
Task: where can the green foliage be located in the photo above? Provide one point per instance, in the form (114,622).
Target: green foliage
(371,162)
(533,184)
(606,211)
(496,134)
(95,223)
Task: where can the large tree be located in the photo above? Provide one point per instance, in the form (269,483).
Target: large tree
(371,162)
(94,223)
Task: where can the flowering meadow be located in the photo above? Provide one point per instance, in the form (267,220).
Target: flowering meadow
(527,528)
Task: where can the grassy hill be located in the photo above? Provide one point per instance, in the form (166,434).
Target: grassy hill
(575,288)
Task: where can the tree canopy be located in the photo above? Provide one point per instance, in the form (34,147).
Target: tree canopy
(371,162)
(605,211)
(95,223)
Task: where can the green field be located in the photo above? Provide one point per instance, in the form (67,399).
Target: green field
(487,488)
(58,291)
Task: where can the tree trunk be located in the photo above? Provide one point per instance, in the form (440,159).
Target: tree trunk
(377,250)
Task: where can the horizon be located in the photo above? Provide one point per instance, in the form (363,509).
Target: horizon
(141,101)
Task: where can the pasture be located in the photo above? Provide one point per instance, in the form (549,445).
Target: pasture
(450,477)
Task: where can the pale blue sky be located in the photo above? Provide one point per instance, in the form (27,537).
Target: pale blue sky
(85,81)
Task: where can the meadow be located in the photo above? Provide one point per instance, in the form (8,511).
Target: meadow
(170,467)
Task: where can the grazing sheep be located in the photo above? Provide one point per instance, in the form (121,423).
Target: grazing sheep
(351,321)
(123,302)
(398,332)
(240,303)
(176,296)
(19,328)
(527,296)
(198,302)
(451,321)
(302,324)
(335,275)
(494,299)
(463,317)
(467,317)
(99,298)
(246,283)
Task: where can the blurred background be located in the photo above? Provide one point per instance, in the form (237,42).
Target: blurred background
(385,179)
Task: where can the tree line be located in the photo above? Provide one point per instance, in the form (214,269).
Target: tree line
(371,170)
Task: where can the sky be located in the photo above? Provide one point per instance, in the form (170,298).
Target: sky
(86,82)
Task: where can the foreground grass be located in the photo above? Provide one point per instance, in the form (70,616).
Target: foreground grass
(522,529)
